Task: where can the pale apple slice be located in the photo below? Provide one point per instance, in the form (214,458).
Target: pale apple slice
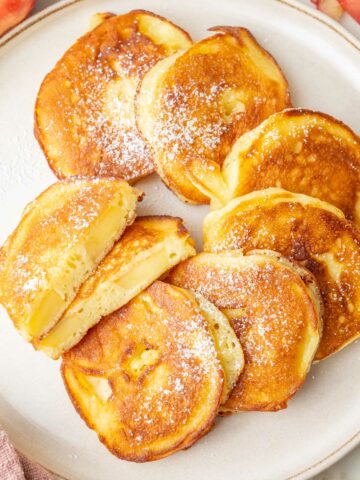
(330,7)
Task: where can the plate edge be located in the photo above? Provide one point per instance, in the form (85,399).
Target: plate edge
(352,442)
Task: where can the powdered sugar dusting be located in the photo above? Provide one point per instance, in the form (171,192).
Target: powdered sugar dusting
(202,102)
(91,121)
(179,130)
(270,312)
(50,231)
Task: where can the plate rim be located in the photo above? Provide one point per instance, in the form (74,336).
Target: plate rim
(294,4)
(347,446)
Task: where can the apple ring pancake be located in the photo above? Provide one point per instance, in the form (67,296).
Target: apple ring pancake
(147,378)
(84,112)
(192,106)
(276,311)
(301,151)
(307,230)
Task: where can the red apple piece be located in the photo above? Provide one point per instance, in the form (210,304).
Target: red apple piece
(13,12)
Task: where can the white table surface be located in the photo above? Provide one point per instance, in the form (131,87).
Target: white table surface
(349,467)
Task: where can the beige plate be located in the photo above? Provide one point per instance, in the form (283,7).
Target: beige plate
(322,63)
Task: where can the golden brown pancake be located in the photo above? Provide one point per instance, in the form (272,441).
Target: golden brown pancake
(301,151)
(147,378)
(192,106)
(147,249)
(309,231)
(98,18)
(60,239)
(84,113)
(275,309)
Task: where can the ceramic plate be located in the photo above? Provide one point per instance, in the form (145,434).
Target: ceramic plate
(322,64)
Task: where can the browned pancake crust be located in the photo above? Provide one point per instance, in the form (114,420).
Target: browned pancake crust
(271,312)
(194,127)
(311,232)
(169,404)
(305,152)
(84,118)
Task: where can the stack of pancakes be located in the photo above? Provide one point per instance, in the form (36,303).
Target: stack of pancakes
(155,339)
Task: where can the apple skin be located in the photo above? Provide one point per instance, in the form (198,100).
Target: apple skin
(13,12)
